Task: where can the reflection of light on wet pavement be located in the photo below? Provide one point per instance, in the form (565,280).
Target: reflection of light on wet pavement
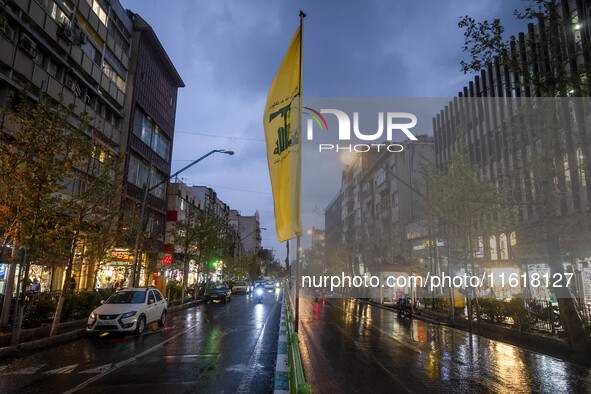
(422,357)
(259,314)
(507,365)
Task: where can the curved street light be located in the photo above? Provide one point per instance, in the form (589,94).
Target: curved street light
(146,191)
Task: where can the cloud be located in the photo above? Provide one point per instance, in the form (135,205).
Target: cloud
(228,53)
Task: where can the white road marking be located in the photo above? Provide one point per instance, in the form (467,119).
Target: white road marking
(131,359)
(101,369)
(125,362)
(246,380)
(67,369)
(238,368)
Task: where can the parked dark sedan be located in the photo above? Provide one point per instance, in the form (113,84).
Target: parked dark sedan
(218,291)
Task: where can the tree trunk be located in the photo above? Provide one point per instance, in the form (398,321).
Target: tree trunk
(65,290)
(91,274)
(185,277)
(569,316)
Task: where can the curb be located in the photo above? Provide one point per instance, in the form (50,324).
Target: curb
(41,343)
(281,364)
(67,336)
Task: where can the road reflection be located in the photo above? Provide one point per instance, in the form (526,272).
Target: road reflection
(420,356)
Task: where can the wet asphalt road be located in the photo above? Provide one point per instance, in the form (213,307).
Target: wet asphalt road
(210,348)
(352,347)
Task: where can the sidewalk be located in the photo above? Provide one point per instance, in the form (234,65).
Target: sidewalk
(37,338)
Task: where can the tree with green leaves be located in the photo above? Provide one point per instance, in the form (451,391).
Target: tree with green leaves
(545,64)
(463,206)
(41,143)
(187,234)
(89,213)
(205,235)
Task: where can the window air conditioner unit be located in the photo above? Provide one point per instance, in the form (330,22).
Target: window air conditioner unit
(28,46)
(70,83)
(66,32)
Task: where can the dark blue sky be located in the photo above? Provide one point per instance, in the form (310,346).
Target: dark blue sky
(228,52)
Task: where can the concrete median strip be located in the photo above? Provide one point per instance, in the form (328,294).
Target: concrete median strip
(281,364)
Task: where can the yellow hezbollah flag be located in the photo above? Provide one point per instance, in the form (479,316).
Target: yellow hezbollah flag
(282,122)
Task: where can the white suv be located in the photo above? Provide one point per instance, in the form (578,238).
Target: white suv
(129,310)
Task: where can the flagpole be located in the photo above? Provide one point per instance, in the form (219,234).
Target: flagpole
(297,300)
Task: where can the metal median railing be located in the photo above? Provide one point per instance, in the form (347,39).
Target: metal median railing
(297,382)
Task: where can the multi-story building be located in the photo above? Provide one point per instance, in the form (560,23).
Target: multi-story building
(108,63)
(333,220)
(78,50)
(150,105)
(379,211)
(248,233)
(184,207)
(479,119)
(193,206)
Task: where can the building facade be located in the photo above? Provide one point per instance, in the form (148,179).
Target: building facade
(78,51)
(478,120)
(150,104)
(108,63)
(378,213)
(248,233)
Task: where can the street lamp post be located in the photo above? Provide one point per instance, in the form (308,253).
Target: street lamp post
(146,191)
(239,242)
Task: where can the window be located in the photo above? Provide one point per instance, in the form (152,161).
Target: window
(581,168)
(151,134)
(110,72)
(91,52)
(6,29)
(114,26)
(380,176)
(158,295)
(98,10)
(137,173)
(156,179)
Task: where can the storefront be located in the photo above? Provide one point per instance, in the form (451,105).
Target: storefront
(175,274)
(3,276)
(115,273)
(506,282)
(42,274)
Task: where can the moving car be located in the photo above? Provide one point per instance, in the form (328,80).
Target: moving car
(241,287)
(129,310)
(269,285)
(218,291)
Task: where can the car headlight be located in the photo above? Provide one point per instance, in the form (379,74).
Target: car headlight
(93,316)
(128,314)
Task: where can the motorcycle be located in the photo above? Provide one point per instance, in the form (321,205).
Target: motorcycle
(404,307)
(259,294)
